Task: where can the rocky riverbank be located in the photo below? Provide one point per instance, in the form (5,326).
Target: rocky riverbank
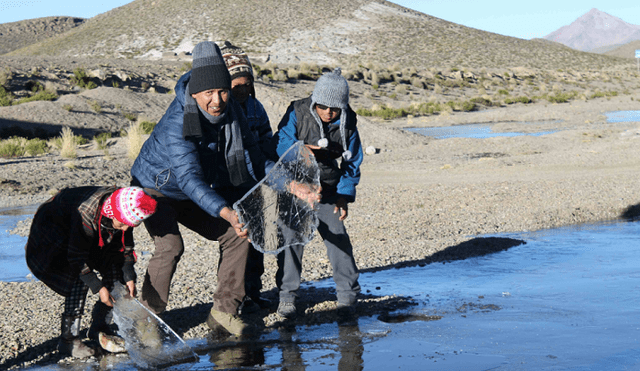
(420,200)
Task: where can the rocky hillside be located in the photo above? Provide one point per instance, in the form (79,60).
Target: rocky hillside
(595,30)
(346,32)
(16,35)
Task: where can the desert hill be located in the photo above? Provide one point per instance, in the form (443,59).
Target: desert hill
(625,51)
(595,31)
(16,35)
(323,32)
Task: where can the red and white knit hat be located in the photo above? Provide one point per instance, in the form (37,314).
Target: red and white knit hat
(129,205)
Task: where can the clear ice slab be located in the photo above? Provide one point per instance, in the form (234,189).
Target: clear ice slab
(150,342)
(274,216)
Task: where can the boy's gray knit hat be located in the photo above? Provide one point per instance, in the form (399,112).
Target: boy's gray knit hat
(208,70)
(332,90)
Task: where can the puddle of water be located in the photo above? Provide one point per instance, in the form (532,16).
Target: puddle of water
(479,131)
(567,299)
(622,116)
(13,267)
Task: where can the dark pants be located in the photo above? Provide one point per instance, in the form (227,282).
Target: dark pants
(169,246)
(339,251)
(75,302)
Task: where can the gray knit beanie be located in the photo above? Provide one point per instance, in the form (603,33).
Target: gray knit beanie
(332,90)
(208,69)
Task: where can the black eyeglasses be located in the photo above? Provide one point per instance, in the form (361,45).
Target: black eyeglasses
(322,107)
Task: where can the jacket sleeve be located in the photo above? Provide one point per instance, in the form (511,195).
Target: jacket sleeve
(351,169)
(265,134)
(287,131)
(185,164)
(130,258)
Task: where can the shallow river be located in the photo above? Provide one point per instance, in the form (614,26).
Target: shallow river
(566,299)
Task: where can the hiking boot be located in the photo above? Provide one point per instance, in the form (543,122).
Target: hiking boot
(287,309)
(69,343)
(248,306)
(230,322)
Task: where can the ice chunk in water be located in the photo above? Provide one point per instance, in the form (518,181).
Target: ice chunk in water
(275,217)
(151,343)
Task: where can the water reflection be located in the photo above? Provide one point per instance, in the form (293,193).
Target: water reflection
(13,267)
(623,116)
(480,131)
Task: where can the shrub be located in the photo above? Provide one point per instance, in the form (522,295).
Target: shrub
(35,147)
(5,77)
(147,126)
(521,99)
(95,106)
(384,112)
(11,148)
(67,107)
(6,98)
(102,140)
(40,95)
(81,79)
(130,116)
(18,146)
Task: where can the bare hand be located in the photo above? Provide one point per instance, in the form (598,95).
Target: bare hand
(342,206)
(232,217)
(312,147)
(105,297)
(306,192)
(131,286)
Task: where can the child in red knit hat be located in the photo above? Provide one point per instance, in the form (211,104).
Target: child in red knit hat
(74,234)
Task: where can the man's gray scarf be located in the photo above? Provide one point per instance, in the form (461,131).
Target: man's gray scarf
(233,148)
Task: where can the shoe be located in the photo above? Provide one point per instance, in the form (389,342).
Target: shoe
(74,348)
(230,322)
(248,306)
(262,302)
(69,343)
(287,309)
(346,310)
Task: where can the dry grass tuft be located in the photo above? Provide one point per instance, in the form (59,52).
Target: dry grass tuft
(68,148)
(135,141)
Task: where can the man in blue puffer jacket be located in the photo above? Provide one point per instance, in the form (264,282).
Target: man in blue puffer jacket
(200,158)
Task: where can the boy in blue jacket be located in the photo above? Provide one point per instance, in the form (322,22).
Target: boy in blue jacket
(200,158)
(327,125)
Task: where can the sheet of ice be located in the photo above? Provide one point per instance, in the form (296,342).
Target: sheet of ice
(275,217)
(151,343)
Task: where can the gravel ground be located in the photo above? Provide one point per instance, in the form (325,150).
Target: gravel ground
(420,200)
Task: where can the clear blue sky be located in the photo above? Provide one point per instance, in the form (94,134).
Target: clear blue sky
(523,19)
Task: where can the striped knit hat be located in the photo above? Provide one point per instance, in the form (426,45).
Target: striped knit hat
(236,59)
(208,70)
(129,205)
(332,90)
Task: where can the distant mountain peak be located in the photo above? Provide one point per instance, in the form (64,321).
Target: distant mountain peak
(595,29)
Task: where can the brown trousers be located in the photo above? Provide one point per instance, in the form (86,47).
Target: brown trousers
(169,246)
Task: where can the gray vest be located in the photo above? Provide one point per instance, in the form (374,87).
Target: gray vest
(309,133)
